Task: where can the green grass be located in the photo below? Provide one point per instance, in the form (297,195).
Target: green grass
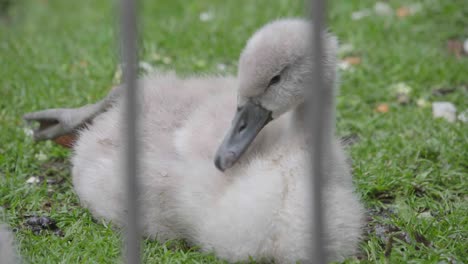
(410,169)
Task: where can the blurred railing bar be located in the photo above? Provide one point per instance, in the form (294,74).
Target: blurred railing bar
(318,127)
(128,26)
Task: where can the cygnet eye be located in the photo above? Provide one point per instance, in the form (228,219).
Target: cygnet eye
(276,79)
(242,126)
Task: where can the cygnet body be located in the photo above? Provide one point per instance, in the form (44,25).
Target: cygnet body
(256,204)
(8,252)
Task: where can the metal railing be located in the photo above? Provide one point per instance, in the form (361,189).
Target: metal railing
(317,102)
(316,118)
(129,39)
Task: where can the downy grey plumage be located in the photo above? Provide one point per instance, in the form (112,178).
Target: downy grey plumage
(258,206)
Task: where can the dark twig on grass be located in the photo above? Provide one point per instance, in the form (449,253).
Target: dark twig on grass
(40,223)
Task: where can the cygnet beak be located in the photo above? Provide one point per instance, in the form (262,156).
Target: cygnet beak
(247,123)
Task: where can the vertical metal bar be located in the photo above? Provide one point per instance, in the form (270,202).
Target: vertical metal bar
(316,116)
(129,61)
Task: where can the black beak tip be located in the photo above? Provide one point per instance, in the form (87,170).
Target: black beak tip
(218,164)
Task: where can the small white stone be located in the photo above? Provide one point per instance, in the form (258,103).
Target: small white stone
(383,9)
(463,116)
(41,156)
(415,8)
(28,131)
(221,67)
(402,88)
(156,56)
(358,15)
(32,180)
(206,16)
(421,102)
(145,66)
(118,74)
(166,60)
(345,48)
(444,110)
(344,65)
(465,46)
(200,63)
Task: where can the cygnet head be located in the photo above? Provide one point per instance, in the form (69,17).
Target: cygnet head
(275,69)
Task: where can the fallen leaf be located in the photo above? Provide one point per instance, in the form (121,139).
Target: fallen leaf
(382,108)
(353,60)
(403,12)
